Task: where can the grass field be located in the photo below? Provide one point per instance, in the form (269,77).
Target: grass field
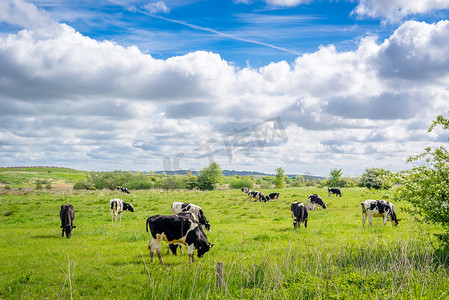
(26,177)
(263,257)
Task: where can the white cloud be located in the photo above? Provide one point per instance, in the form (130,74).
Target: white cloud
(24,14)
(70,100)
(286,3)
(157,7)
(395,10)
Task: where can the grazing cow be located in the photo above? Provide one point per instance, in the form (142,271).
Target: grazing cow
(331,191)
(299,214)
(117,207)
(67,214)
(257,196)
(197,212)
(313,200)
(176,229)
(123,189)
(379,208)
(272,196)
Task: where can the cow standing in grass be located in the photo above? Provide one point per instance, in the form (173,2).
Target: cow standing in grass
(299,214)
(272,196)
(123,189)
(378,208)
(67,215)
(176,229)
(117,208)
(333,191)
(313,200)
(257,196)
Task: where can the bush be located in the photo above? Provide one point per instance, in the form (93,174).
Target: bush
(236,183)
(83,185)
(426,186)
(209,177)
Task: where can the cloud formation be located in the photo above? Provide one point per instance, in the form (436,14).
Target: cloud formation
(396,10)
(68,99)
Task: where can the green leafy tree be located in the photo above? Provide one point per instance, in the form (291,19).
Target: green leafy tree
(279,179)
(374,178)
(209,177)
(335,179)
(426,185)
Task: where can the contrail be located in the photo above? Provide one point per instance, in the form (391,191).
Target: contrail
(230,36)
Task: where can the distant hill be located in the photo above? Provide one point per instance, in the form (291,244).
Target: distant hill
(239,173)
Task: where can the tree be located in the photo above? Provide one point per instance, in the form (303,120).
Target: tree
(335,178)
(426,186)
(374,178)
(209,177)
(279,181)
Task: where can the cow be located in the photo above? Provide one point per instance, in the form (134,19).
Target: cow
(123,189)
(272,196)
(197,212)
(335,191)
(299,214)
(176,229)
(378,208)
(67,215)
(313,200)
(258,196)
(117,207)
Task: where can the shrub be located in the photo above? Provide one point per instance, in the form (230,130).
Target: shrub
(84,185)
(236,183)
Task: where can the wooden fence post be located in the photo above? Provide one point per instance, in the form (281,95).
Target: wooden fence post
(219,275)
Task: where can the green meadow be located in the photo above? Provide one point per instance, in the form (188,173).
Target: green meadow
(263,257)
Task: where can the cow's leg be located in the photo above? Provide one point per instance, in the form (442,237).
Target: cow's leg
(112,215)
(305,223)
(364,220)
(150,247)
(385,220)
(190,252)
(158,247)
(62,232)
(370,220)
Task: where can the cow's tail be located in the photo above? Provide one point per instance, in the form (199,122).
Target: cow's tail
(363,208)
(148,234)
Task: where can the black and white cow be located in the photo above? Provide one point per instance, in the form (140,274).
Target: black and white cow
(313,200)
(379,208)
(176,229)
(299,214)
(117,207)
(272,196)
(123,189)
(197,212)
(67,214)
(257,196)
(334,191)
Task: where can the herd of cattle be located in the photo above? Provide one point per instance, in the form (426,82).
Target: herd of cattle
(185,225)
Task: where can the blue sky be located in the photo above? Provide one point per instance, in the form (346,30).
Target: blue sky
(254,33)
(253,85)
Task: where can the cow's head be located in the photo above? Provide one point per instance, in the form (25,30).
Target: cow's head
(68,230)
(244,190)
(129,207)
(394,219)
(324,205)
(203,249)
